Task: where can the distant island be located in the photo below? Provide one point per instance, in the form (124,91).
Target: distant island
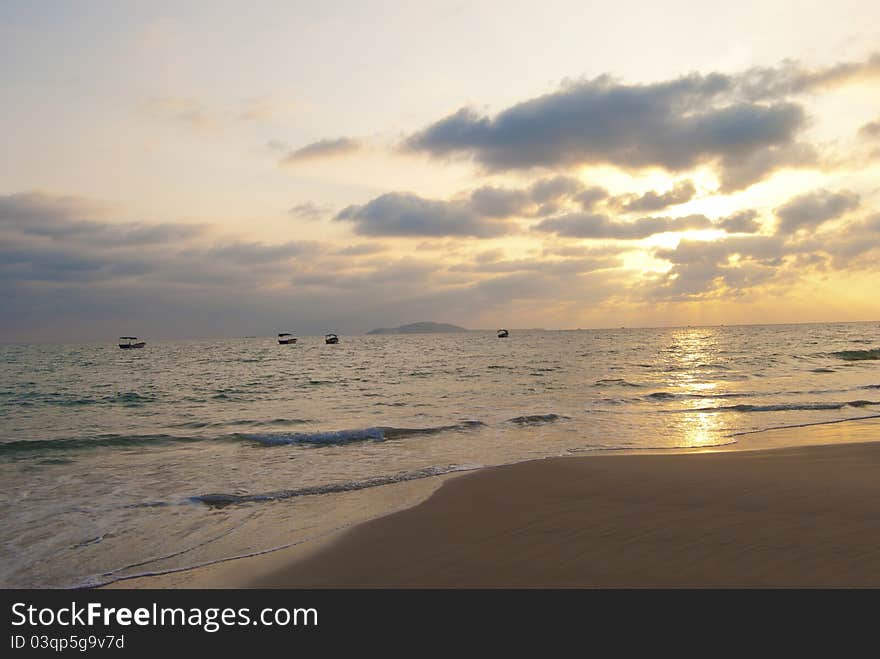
(419,328)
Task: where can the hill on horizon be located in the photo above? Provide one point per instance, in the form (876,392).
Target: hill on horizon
(423,327)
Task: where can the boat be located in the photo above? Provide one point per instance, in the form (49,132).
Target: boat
(286,338)
(331,338)
(503,334)
(128,342)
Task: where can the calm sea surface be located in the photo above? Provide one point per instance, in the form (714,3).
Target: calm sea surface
(115,463)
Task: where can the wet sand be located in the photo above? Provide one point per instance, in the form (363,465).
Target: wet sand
(790,517)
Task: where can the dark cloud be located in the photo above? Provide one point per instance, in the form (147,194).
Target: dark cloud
(766,249)
(47,215)
(69,218)
(809,210)
(590,197)
(871,130)
(676,125)
(489,201)
(258,253)
(406,214)
(740,222)
(744,124)
(362,249)
(476,214)
(739,172)
(595,225)
(681,193)
(555,188)
(60,263)
(326,148)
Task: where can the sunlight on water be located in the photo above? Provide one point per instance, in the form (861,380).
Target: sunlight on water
(701,430)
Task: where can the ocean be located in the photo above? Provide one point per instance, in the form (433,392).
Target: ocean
(116,463)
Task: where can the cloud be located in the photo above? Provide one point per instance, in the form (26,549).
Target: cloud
(740,222)
(476,214)
(808,211)
(851,246)
(406,214)
(40,208)
(489,201)
(744,124)
(555,188)
(258,253)
(681,193)
(730,266)
(738,173)
(70,217)
(75,263)
(545,196)
(870,130)
(590,197)
(310,210)
(568,266)
(326,148)
(791,78)
(675,125)
(704,267)
(595,225)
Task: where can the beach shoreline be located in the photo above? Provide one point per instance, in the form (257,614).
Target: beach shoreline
(805,516)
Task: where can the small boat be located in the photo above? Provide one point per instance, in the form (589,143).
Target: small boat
(503,334)
(331,338)
(286,338)
(128,342)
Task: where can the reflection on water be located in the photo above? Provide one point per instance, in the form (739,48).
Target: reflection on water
(701,430)
(696,351)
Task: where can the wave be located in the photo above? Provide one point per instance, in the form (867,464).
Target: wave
(196,425)
(535,419)
(30,398)
(618,382)
(857,355)
(220,500)
(98,441)
(588,448)
(337,437)
(662,395)
(668,395)
(784,407)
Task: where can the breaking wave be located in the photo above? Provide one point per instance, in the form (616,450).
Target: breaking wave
(219,500)
(783,407)
(375,433)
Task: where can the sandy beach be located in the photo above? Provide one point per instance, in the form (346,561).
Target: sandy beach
(787,517)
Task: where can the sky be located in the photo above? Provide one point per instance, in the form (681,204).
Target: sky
(210,169)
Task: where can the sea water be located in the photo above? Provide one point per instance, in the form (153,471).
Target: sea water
(115,463)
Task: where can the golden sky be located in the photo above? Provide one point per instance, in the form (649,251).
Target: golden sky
(220,169)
